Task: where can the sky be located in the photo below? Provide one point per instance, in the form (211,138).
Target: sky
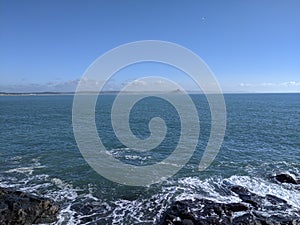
(251,46)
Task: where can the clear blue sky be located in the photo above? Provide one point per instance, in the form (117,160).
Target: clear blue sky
(249,45)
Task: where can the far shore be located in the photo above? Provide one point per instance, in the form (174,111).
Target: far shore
(37,93)
(117,92)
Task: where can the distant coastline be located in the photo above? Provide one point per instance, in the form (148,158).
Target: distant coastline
(83,93)
(47,93)
(34,93)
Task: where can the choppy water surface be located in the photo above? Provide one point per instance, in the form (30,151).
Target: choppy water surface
(38,154)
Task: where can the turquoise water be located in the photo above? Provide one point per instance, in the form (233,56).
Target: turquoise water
(38,154)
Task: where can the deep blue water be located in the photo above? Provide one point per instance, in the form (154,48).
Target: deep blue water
(39,154)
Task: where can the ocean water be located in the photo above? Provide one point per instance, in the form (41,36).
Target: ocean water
(39,154)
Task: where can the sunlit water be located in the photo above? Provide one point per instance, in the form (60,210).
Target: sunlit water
(38,154)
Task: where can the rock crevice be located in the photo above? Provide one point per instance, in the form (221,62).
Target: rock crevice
(17,207)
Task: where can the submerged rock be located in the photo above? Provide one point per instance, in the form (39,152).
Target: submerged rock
(17,207)
(252,210)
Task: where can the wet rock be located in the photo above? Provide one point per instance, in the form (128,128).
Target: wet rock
(235,207)
(247,196)
(252,210)
(17,207)
(246,218)
(275,200)
(286,178)
(187,222)
(202,211)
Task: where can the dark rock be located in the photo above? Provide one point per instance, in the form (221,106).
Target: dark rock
(247,196)
(258,202)
(245,217)
(202,211)
(187,222)
(278,219)
(235,207)
(285,178)
(253,210)
(275,200)
(21,208)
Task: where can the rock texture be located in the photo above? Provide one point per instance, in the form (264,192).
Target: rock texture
(252,210)
(286,178)
(17,207)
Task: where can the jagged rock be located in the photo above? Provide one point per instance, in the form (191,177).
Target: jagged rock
(245,217)
(17,207)
(202,211)
(247,196)
(251,211)
(286,178)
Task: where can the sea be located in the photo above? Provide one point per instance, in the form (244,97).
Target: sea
(39,154)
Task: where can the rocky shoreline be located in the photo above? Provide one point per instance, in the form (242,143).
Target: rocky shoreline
(17,207)
(251,210)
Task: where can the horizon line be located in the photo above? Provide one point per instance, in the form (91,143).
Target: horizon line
(116,92)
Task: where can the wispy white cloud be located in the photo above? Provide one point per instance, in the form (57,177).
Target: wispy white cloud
(288,86)
(62,86)
(267,84)
(290,83)
(152,83)
(138,83)
(245,85)
(141,84)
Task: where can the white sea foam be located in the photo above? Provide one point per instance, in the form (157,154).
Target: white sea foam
(145,209)
(66,216)
(262,187)
(197,188)
(26,169)
(16,158)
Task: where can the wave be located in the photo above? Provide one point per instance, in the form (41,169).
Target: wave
(83,205)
